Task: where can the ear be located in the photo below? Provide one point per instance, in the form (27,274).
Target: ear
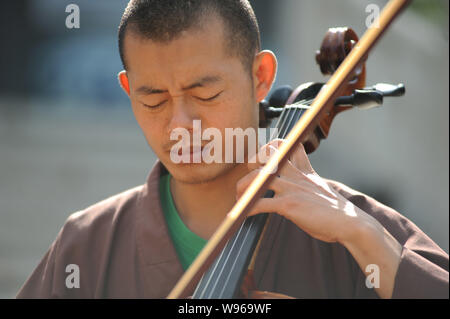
(123,81)
(264,73)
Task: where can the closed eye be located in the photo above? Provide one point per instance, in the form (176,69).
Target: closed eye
(210,98)
(154,106)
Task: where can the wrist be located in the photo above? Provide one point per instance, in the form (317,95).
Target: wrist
(357,228)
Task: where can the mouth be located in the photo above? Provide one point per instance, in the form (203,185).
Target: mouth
(186,155)
(190,150)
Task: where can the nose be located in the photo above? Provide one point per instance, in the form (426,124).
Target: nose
(182,116)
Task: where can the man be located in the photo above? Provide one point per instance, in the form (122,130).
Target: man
(201,60)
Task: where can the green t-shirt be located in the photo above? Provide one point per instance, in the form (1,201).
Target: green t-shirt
(187,244)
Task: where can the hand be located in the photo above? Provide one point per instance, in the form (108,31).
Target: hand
(303,197)
(308,201)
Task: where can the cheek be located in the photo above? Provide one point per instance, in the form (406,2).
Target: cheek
(150,126)
(240,110)
(140,117)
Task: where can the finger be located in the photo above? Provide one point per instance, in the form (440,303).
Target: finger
(278,185)
(287,169)
(266,205)
(300,159)
(264,153)
(244,182)
(276,142)
(319,182)
(262,156)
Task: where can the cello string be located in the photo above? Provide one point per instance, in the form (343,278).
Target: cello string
(290,113)
(217,277)
(293,115)
(222,260)
(287,119)
(202,293)
(235,242)
(238,253)
(293,111)
(282,117)
(287,112)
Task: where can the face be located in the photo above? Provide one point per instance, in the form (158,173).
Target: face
(190,78)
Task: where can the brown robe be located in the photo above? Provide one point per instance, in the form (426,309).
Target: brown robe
(123,250)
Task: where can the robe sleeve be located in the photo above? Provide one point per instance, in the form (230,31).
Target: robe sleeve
(423,268)
(51,277)
(40,283)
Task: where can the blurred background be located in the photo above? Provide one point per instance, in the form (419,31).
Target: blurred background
(68,138)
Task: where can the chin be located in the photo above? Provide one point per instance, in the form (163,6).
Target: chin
(197,173)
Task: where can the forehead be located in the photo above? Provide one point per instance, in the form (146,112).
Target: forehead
(192,53)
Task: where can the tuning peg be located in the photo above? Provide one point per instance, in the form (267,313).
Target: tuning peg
(371,96)
(389,89)
(363,99)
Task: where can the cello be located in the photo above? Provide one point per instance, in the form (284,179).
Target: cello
(305,116)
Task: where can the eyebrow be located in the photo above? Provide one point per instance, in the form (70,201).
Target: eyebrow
(147,90)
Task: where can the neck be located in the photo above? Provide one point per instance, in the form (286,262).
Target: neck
(203,206)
